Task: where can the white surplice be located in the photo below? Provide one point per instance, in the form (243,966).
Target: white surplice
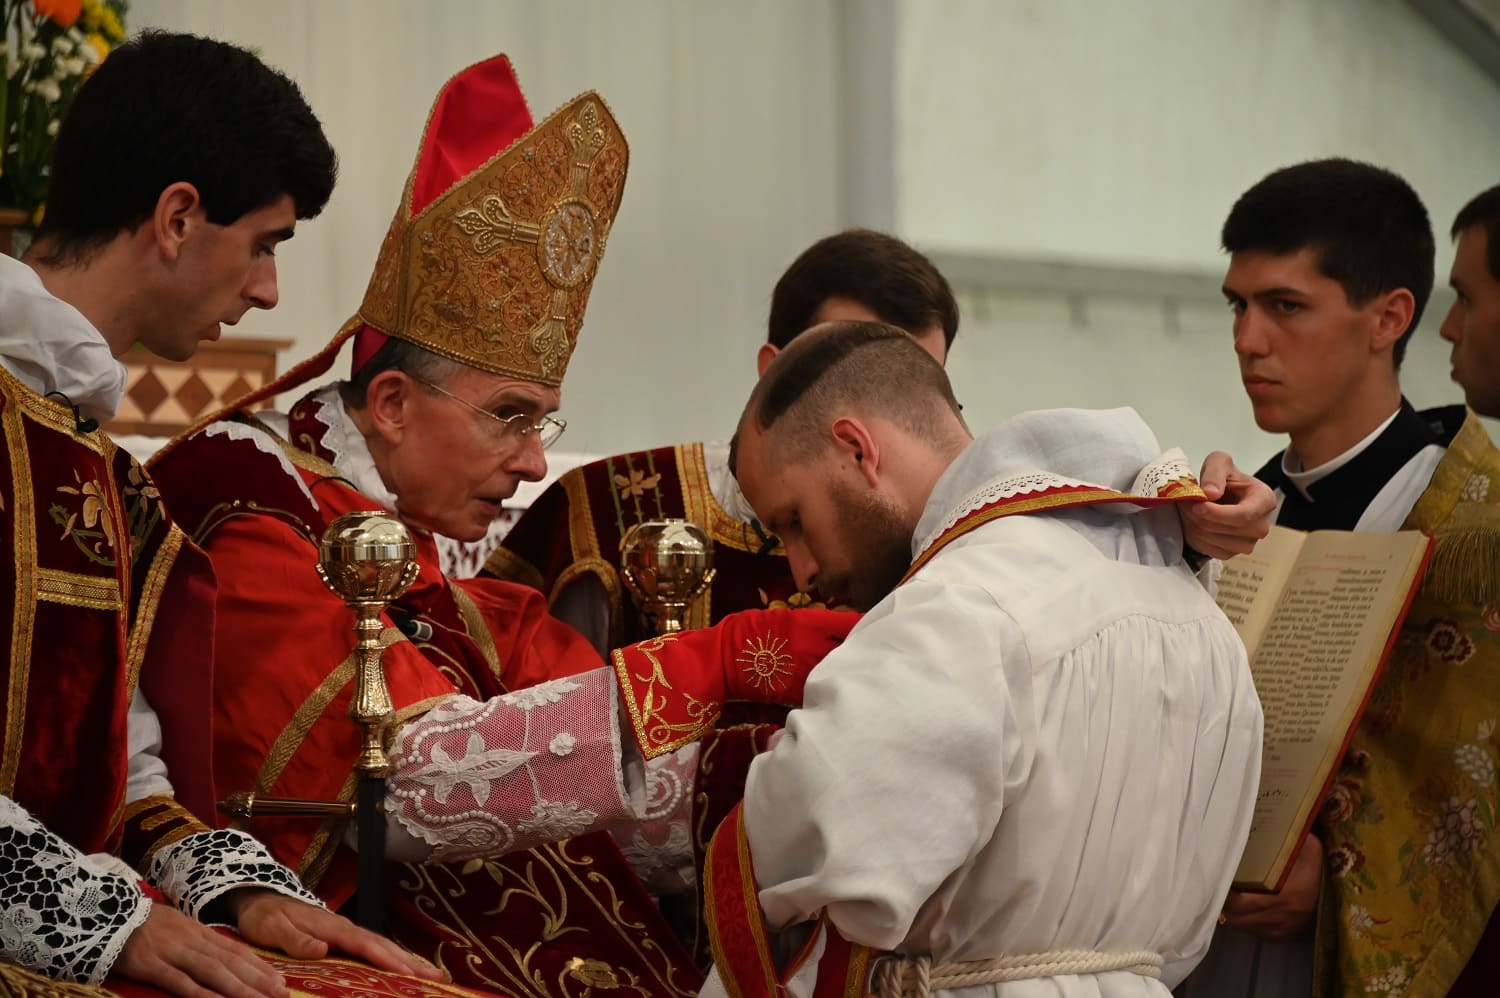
(1047,739)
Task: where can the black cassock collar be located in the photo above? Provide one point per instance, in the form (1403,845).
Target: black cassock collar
(1337,500)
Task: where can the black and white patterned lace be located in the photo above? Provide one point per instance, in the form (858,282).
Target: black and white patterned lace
(60,915)
(202,867)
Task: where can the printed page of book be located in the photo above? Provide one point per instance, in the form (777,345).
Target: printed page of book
(1314,662)
(1251,584)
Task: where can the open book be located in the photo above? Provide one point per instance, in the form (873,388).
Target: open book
(1318,614)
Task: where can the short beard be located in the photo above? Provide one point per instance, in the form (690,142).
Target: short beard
(878,541)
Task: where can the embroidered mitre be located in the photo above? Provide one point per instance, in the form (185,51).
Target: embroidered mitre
(497,237)
(495,244)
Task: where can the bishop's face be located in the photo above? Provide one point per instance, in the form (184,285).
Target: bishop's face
(841,537)
(1472,325)
(454,461)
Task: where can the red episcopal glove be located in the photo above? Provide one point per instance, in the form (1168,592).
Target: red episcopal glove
(675,686)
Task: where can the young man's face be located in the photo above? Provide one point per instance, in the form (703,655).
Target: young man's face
(221,272)
(1304,350)
(1472,325)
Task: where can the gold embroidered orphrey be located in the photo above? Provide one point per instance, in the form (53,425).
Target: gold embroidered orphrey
(495,272)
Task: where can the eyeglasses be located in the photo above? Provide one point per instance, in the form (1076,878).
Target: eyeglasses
(519,425)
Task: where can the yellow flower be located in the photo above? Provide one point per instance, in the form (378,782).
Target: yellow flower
(96,41)
(111,25)
(36,216)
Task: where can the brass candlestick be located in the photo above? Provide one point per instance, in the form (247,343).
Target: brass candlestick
(367,560)
(666,565)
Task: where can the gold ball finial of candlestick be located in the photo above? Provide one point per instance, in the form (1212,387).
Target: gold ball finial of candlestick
(368,559)
(666,565)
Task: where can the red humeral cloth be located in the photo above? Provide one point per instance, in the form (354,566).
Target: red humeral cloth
(542,922)
(575,527)
(104,594)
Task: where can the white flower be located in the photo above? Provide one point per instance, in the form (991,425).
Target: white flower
(73,65)
(1475,763)
(1359,918)
(475,769)
(89,54)
(562,744)
(31,52)
(1393,982)
(52,127)
(62,45)
(557,821)
(542,693)
(20,932)
(49,91)
(1475,489)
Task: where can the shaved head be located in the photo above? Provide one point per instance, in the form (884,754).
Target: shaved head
(866,368)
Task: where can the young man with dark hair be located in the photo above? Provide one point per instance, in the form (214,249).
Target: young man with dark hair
(183,165)
(859,274)
(1330,267)
(1033,762)
(1472,325)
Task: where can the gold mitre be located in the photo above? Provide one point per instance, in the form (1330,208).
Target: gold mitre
(495,244)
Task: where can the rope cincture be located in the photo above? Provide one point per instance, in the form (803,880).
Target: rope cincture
(916,977)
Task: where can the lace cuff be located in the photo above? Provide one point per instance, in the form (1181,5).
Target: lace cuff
(61,916)
(536,765)
(659,845)
(194,871)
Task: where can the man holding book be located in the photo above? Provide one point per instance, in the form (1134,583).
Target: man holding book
(1330,268)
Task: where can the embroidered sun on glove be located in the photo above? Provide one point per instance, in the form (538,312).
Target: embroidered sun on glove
(194,871)
(675,686)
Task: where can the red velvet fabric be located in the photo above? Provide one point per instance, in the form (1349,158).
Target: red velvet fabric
(101,590)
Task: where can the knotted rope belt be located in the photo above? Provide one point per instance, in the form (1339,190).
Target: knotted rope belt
(916,977)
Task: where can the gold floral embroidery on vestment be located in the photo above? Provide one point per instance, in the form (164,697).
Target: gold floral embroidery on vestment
(88,526)
(637,483)
(647,713)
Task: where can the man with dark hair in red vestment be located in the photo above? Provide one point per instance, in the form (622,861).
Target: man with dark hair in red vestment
(184,162)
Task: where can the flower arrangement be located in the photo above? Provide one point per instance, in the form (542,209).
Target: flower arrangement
(51,46)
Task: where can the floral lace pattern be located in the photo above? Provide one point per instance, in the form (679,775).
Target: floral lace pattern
(61,915)
(194,871)
(474,779)
(659,847)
